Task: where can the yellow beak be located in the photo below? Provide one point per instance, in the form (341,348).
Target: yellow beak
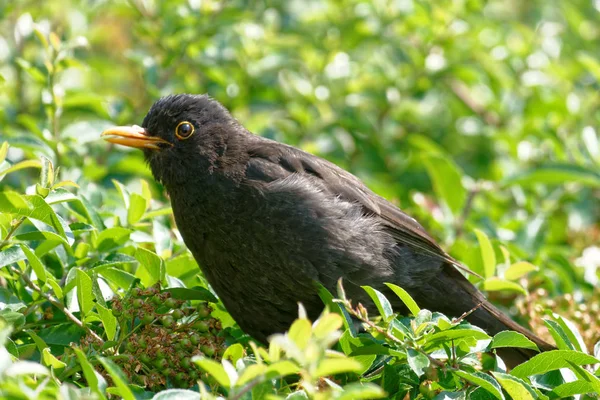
(134,136)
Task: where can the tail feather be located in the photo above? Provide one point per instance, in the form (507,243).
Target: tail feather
(451,292)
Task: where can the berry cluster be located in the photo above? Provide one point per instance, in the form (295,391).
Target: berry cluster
(162,335)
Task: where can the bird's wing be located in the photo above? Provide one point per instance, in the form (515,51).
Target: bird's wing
(270,160)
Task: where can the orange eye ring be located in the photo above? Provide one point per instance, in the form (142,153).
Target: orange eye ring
(184,130)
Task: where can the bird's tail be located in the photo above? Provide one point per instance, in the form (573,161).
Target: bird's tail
(460,294)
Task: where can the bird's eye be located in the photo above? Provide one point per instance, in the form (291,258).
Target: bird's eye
(184,130)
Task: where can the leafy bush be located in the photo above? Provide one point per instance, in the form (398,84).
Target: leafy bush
(479,118)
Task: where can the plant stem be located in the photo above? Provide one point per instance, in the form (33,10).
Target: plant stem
(389,336)
(13,229)
(56,303)
(462,219)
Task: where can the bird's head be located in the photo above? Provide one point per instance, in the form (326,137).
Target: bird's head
(181,135)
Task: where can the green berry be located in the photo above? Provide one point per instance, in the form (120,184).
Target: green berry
(137,303)
(161,353)
(203,310)
(145,358)
(147,318)
(136,292)
(178,314)
(130,347)
(161,363)
(208,350)
(167,320)
(186,343)
(195,339)
(171,303)
(201,326)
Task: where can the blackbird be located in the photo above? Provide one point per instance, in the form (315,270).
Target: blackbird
(265,221)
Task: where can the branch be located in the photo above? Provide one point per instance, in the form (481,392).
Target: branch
(462,92)
(13,229)
(56,303)
(460,222)
(389,336)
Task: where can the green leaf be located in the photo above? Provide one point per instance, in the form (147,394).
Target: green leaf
(300,332)
(32,206)
(571,331)
(484,380)
(250,373)
(326,325)
(572,388)
(447,181)
(555,174)
(406,298)
(47,173)
(360,390)
(42,235)
(62,334)
(118,378)
(494,284)
(39,342)
(214,369)
(560,337)
(90,374)
(35,262)
(117,277)
(383,305)
(177,394)
(327,299)
(55,287)
(11,256)
(9,301)
(152,264)
(85,295)
(512,339)
(519,269)
(20,165)
(333,366)
(552,360)
(281,368)
(487,254)
(108,320)
(111,238)
(16,319)
(515,387)
(234,353)
(587,376)
(417,361)
(137,208)
(458,333)
(50,361)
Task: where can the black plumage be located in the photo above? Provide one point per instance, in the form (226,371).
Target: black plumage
(265,221)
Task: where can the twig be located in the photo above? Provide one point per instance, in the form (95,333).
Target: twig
(466,314)
(391,337)
(246,389)
(11,232)
(462,92)
(460,222)
(55,302)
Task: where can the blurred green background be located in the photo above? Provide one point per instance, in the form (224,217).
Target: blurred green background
(466,113)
